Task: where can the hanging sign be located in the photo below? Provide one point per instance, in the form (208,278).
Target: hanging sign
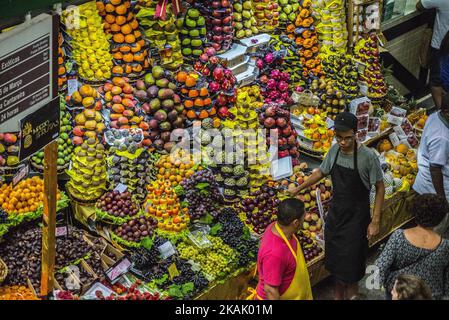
(26,70)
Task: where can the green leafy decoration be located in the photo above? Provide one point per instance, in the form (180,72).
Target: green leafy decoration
(179,190)
(147,243)
(202,185)
(215,229)
(207,219)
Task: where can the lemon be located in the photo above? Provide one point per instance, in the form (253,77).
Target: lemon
(83,23)
(92,59)
(83,56)
(85,65)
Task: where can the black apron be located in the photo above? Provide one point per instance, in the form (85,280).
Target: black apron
(346,243)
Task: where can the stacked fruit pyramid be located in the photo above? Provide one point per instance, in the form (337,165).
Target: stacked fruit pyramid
(88,171)
(133,170)
(266,13)
(288,11)
(193,34)
(195,96)
(127,43)
(367,51)
(87,116)
(343,71)
(90,44)
(245,22)
(65,145)
(331,25)
(163,204)
(307,39)
(62,75)
(220,31)
(118,94)
(163,34)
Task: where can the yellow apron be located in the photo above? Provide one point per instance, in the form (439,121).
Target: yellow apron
(299,288)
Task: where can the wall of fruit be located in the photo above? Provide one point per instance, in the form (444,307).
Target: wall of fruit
(140,84)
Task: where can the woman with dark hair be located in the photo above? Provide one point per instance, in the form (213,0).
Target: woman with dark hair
(419,251)
(408,287)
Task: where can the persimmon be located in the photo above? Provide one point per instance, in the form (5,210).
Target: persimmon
(193,93)
(190,81)
(121,9)
(126,29)
(109,8)
(181,76)
(118,37)
(115,27)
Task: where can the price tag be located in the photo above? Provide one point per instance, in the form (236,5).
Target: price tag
(61,231)
(400,132)
(394,139)
(329,123)
(22,173)
(72,86)
(121,188)
(173,271)
(166,250)
(120,268)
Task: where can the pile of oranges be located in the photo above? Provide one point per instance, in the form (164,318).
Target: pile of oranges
(27,196)
(195,96)
(128,44)
(174,170)
(16,293)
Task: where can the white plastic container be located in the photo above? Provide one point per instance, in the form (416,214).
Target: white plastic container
(281,168)
(234,56)
(240,68)
(254,42)
(247,77)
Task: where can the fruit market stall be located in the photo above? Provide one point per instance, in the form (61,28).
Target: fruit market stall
(180,128)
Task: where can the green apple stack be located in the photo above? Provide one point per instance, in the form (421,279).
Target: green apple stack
(193,34)
(245,21)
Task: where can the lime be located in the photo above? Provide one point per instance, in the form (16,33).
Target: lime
(60,162)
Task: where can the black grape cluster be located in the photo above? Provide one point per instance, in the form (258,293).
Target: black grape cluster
(202,201)
(232,234)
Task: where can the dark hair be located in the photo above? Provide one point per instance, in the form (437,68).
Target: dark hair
(429,209)
(409,287)
(289,210)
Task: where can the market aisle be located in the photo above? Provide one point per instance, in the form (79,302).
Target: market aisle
(324,290)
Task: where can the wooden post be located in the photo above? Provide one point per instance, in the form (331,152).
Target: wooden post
(49,219)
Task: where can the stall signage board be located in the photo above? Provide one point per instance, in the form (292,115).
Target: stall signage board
(26,70)
(39,129)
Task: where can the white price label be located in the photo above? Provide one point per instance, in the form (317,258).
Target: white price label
(61,231)
(22,173)
(121,188)
(72,86)
(115,272)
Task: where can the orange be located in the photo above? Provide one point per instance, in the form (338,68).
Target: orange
(119,38)
(126,29)
(134,24)
(203,114)
(109,8)
(121,9)
(137,34)
(188,103)
(100,6)
(207,101)
(311,110)
(193,93)
(115,27)
(317,145)
(136,48)
(120,20)
(181,76)
(139,57)
(198,102)
(137,68)
(110,19)
(190,81)
(191,114)
(204,92)
(117,70)
(125,48)
(118,56)
(116,2)
(129,38)
(128,58)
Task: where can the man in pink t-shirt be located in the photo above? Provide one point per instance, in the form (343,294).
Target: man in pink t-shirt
(275,263)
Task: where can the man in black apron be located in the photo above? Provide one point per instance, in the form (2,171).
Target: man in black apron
(353,168)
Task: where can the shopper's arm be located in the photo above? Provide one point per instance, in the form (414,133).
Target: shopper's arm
(272,293)
(316,176)
(437,179)
(373,228)
(387,257)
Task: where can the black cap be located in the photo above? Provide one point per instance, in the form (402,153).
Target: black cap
(345,121)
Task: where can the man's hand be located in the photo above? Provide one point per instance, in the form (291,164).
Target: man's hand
(373,230)
(292,190)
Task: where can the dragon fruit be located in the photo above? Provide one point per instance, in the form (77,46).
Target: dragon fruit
(285,76)
(283,86)
(272,84)
(275,74)
(210,51)
(285,96)
(260,64)
(269,58)
(214,86)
